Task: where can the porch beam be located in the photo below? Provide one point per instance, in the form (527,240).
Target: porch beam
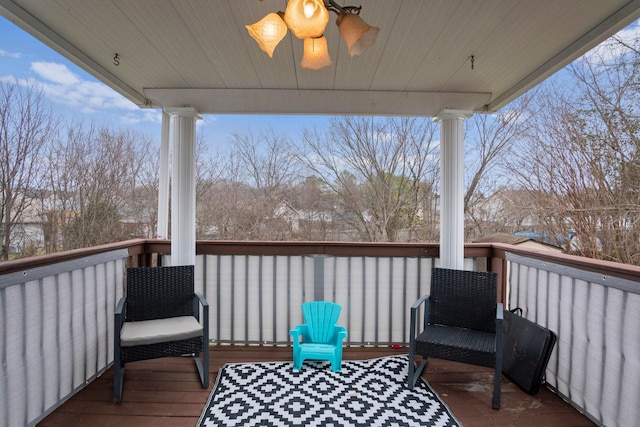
(316,101)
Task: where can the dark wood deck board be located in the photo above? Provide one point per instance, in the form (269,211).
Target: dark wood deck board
(167,393)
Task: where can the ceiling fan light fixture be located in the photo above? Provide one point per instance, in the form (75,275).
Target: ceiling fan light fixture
(357,34)
(268,32)
(306,18)
(316,54)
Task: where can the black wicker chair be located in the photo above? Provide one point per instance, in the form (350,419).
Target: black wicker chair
(159,317)
(460,320)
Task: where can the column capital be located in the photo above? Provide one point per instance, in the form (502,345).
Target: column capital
(183,112)
(448,114)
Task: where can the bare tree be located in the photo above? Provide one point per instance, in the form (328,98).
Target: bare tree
(583,159)
(381,169)
(143,197)
(266,165)
(314,206)
(489,140)
(211,200)
(93,175)
(27,124)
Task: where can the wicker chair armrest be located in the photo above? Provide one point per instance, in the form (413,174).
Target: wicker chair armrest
(120,305)
(201,299)
(118,320)
(119,311)
(205,314)
(413,332)
(499,338)
(499,321)
(420,301)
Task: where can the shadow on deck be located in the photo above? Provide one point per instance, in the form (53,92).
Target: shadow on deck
(167,392)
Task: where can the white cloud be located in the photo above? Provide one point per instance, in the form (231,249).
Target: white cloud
(153,116)
(55,73)
(611,48)
(206,120)
(66,87)
(140,115)
(86,96)
(27,82)
(7,79)
(630,34)
(130,119)
(16,55)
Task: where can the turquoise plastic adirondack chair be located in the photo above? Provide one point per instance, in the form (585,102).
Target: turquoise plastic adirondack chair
(321,337)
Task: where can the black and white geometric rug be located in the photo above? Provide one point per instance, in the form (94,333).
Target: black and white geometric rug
(366,393)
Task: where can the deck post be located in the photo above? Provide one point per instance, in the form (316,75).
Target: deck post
(452,187)
(183,185)
(162,229)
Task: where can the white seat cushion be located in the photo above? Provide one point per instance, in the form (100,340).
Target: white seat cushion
(159,330)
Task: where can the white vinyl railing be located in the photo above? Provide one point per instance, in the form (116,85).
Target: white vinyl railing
(256,299)
(56,332)
(56,321)
(596,362)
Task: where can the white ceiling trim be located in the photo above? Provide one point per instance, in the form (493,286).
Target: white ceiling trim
(321,102)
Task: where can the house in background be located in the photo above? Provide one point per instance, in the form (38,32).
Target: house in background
(519,240)
(506,210)
(296,217)
(27,234)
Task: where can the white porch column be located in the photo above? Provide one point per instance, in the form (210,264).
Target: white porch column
(162,228)
(183,185)
(452,187)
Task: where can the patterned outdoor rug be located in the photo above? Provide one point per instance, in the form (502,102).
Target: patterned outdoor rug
(366,393)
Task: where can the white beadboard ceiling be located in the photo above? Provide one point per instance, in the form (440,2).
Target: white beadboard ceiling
(197,53)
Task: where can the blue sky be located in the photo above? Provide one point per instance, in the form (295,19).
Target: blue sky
(77,95)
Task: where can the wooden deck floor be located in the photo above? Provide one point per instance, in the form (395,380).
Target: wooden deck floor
(167,392)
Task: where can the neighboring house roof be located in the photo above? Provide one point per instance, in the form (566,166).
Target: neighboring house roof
(518,240)
(545,237)
(502,238)
(287,211)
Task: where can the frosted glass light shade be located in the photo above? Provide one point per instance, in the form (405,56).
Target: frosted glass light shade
(268,32)
(306,18)
(356,33)
(316,54)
